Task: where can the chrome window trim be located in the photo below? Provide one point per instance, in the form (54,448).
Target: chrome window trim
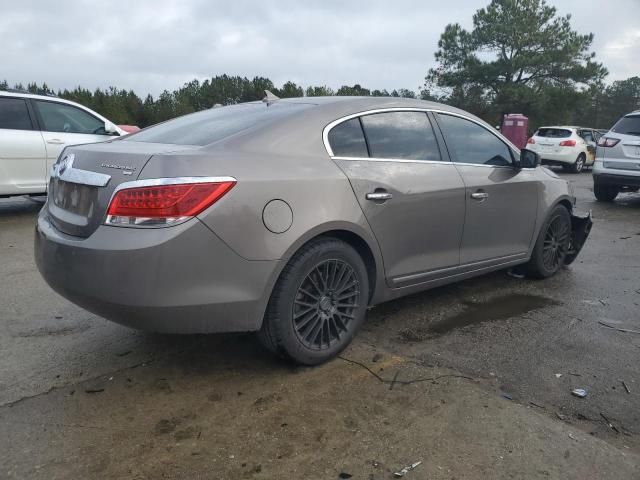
(64,170)
(327,129)
(395,160)
(154,182)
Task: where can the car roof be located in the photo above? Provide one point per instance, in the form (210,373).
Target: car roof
(53,98)
(329,109)
(568,127)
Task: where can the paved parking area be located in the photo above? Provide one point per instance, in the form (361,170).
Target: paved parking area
(472,379)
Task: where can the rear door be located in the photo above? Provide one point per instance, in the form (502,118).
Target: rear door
(501,200)
(589,137)
(411,195)
(22,151)
(64,125)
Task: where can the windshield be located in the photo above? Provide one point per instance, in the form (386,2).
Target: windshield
(629,125)
(553,133)
(209,126)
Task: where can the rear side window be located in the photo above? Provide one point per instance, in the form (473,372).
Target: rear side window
(347,139)
(14,114)
(402,135)
(629,125)
(60,117)
(471,143)
(553,133)
(209,126)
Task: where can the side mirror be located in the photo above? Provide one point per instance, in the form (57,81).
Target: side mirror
(110,128)
(528,159)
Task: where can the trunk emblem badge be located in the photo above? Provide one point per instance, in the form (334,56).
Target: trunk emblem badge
(66,162)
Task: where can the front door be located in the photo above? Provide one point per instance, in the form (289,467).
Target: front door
(64,125)
(413,201)
(501,200)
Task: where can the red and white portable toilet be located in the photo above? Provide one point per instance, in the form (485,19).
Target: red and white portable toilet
(515,127)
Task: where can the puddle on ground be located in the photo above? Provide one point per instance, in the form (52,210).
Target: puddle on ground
(500,308)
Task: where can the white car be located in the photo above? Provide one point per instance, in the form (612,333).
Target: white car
(33,131)
(573,148)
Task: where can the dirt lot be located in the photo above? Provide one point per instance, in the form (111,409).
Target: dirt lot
(474,380)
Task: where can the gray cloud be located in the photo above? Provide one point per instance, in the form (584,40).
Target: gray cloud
(150,45)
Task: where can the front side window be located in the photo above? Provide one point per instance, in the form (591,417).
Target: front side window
(59,117)
(470,143)
(347,139)
(587,136)
(401,135)
(14,114)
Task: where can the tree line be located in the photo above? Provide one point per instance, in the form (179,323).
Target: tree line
(519,57)
(126,107)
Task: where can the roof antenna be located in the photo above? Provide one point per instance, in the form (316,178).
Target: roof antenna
(270,98)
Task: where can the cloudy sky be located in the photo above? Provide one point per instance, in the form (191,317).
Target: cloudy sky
(150,45)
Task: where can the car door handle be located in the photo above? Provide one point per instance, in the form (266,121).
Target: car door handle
(379,196)
(480,195)
(55,141)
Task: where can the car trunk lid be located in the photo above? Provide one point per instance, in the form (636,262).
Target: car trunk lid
(85,177)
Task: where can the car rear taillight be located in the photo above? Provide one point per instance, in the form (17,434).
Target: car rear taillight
(164,202)
(608,142)
(568,143)
(531,141)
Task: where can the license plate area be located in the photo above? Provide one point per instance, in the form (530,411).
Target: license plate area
(74,197)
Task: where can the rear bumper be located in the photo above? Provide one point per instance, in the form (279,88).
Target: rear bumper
(181,279)
(617,180)
(563,158)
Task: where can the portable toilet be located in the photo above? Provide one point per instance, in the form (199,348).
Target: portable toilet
(515,127)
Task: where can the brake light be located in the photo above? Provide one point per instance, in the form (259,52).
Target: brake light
(165,202)
(608,142)
(531,141)
(568,143)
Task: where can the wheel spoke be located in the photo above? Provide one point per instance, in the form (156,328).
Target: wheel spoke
(347,305)
(339,323)
(314,283)
(312,333)
(309,294)
(305,304)
(347,295)
(332,322)
(338,279)
(305,323)
(304,312)
(347,287)
(322,280)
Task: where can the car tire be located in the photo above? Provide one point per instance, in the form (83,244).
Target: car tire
(579,163)
(605,193)
(318,303)
(551,245)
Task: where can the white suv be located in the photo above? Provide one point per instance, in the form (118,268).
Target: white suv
(617,166)
(570,147)
(33,131)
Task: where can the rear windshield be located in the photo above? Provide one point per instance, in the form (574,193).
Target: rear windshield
(209,126)
(628,125)
(553,133)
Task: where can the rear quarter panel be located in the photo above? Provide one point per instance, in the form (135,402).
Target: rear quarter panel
(319,195)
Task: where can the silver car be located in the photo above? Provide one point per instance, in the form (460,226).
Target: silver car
(291,217)
(617,166)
